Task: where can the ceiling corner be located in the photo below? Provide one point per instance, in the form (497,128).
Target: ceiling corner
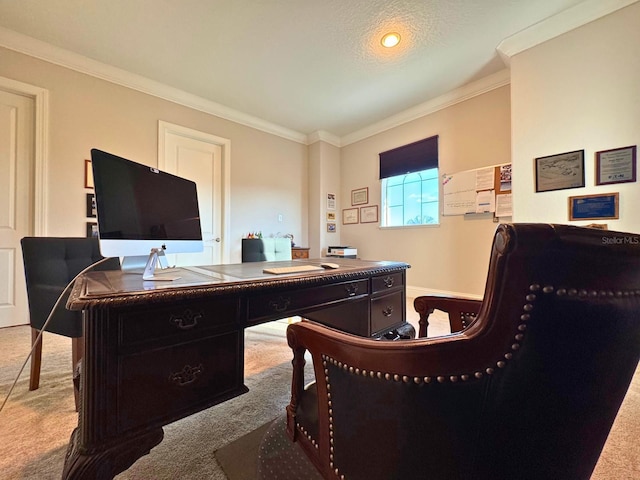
(556,25)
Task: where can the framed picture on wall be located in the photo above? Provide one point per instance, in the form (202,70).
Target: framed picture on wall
(594,207)
(561,171)
(91,205)
(617,165)
(92,229)
(369,214)
(88,174)
(360,196)
(349,216)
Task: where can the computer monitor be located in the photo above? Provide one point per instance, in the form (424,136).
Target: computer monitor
(143,213)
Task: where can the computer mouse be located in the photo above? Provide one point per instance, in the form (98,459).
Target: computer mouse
(329,266)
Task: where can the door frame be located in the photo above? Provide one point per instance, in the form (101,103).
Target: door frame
(40,97)
(165,128)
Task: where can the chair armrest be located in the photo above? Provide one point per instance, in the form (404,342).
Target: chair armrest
(461,311)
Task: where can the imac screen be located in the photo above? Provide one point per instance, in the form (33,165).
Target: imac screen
(139,208)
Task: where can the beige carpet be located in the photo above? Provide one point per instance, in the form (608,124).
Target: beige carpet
(35,426)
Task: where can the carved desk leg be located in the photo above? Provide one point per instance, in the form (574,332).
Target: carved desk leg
(106,464)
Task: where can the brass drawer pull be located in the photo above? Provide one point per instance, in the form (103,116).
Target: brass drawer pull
(352,289)
(388,281)
(187,376)
(387,312)
(281,304)
(186,321)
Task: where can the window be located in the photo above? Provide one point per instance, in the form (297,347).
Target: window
(409,184)
(410,199)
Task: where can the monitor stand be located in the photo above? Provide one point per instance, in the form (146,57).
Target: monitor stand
(153,268)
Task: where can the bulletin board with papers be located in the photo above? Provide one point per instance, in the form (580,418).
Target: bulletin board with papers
(481,190)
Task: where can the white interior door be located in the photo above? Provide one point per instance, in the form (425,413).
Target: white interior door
(17,124)
(200,161)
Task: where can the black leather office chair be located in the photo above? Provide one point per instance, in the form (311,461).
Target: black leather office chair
(49,265)
(528,390)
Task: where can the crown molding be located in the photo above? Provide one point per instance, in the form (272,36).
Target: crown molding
(473,89)
(324,136)
(64,58)
(556,25)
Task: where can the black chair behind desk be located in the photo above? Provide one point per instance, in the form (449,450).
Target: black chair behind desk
(50,263)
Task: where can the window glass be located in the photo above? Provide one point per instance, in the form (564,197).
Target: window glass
(410,199)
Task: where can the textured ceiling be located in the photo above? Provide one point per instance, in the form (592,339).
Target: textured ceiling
(306,65)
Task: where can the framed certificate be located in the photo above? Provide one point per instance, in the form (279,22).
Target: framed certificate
(617,165)
(594,207)
(360,196)
(349,216)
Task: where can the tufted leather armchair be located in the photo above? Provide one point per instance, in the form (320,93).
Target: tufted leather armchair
(50,263)
(528,390)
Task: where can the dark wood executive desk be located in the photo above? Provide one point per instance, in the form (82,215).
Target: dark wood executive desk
(156,352)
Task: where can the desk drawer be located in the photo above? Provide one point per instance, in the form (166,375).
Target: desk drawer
(387,282)
(159,386)
(282,304)
(386,311)
(186,319)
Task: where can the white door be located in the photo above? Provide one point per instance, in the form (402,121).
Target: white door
(16,206)
(200,161)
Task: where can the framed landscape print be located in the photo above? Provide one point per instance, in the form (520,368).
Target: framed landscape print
(558,172)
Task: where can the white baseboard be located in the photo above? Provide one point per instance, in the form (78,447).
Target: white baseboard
(413,292)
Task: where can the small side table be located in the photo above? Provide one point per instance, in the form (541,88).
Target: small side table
(299,252)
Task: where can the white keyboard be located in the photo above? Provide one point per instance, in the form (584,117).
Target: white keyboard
(292,269)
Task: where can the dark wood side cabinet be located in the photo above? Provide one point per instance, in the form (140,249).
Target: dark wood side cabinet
(157,353)
(299,252)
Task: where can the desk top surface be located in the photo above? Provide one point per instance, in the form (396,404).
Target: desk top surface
(118,288)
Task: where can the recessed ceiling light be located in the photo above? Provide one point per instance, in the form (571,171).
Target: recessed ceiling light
(390,40)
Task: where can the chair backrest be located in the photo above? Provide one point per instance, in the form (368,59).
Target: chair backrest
(265,249)
(567,300)
(529,390)
(50,263)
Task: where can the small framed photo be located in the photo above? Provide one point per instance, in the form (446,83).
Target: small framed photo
(349,216)
(331,216)
(91,205)
(92,229)
(594,207)
(88,174)
(331,201)
(617,165)
(369,214)
(558,172)
(360,196)
(331,227)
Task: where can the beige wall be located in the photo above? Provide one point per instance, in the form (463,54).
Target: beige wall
(451,257)
(268,173)
(578,91)
(324,178)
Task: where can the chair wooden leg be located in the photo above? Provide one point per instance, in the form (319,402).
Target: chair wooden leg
(77,352)
(36,359)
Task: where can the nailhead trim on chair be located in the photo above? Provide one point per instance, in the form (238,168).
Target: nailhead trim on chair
(527,308)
